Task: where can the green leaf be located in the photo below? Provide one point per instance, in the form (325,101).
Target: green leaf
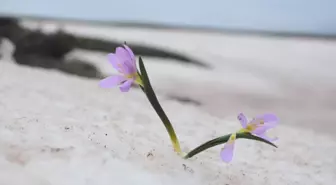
(144,76)
(224,139)
(148,90)
(247,135)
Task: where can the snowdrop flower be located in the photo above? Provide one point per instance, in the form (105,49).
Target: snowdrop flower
(123,60)
(257,126)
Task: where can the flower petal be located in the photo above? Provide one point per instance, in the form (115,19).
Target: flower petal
(114,61)
(130,52)
(129,68)
(125,87)
(269,120)
(268,117)
(123,54)
(127,60)
(264,123)
(243,120)
(261,129)
(227,152)
(111,81)
(264,136)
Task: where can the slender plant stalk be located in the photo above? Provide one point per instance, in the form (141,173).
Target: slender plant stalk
(148,90)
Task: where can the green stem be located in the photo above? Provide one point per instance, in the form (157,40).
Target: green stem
(148,90)
(169,127)
(222,140)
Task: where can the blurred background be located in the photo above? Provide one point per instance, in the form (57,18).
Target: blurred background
(223,56)
(314,17)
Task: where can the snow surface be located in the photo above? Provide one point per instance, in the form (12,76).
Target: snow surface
(58,129)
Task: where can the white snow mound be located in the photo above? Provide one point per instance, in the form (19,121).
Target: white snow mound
(64,130)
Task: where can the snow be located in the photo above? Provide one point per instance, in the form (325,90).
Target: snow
(58,129)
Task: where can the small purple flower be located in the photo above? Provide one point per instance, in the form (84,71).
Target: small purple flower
(257,126)
(123,60)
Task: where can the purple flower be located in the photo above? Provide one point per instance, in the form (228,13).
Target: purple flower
(123,60)
(257,126)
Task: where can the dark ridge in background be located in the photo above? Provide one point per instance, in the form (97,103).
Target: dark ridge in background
(37,49)
(105,46)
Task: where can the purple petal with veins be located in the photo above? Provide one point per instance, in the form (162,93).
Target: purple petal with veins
(114,61)
(243,120)
(261,129)
(125,87)
(111,81)
(227,152)
(123,54)
(117,63)
(130,52)
(129,69)
(268,118)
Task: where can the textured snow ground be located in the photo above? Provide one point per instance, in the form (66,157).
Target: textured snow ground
(60,129)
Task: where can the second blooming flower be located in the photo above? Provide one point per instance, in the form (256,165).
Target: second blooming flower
(257,126)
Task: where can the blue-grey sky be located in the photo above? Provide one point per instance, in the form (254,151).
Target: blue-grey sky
(309,16)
